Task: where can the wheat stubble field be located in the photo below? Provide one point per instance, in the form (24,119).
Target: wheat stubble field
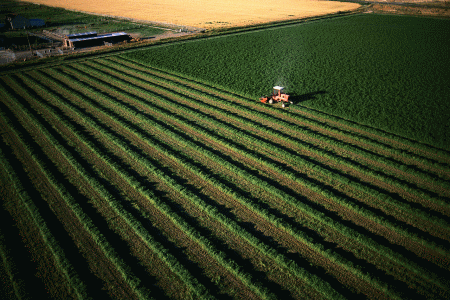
(205,13)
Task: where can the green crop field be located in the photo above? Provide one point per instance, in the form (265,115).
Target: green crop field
(389,72)
(126,176)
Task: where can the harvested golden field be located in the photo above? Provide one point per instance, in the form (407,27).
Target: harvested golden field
(205,13)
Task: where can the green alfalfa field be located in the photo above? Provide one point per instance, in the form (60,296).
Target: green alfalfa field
(158,173)
(388,72)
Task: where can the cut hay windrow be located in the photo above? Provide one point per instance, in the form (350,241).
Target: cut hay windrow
(190,280)
(245,175)
(131,221)
(84,219)
(192,176)
(313,280)
(63,264)
(208,103)
(289,174)
(303,114)
(152,80)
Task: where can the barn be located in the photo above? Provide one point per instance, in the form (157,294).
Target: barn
(92,39)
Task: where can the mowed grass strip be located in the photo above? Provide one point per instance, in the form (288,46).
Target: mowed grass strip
(75,284)
(174,216)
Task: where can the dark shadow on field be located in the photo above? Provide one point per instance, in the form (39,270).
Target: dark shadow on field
(299,98)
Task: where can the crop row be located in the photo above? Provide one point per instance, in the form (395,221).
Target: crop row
(58,253)
(128,109)
(118,208)
(197,100)
(211,210)
(84,219)
(167,209)
(249,203)
(215,102)
(262,144)
(190,84)
(179,139)
(197,83)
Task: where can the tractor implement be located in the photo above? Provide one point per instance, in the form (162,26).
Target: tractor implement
(277,96)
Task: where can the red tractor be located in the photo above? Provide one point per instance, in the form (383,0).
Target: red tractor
(277,96)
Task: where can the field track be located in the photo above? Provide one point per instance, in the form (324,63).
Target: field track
(126,181)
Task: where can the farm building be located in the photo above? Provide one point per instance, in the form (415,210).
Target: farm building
(14,21)
(90,39)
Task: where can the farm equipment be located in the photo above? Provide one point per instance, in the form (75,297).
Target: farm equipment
(277,96)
